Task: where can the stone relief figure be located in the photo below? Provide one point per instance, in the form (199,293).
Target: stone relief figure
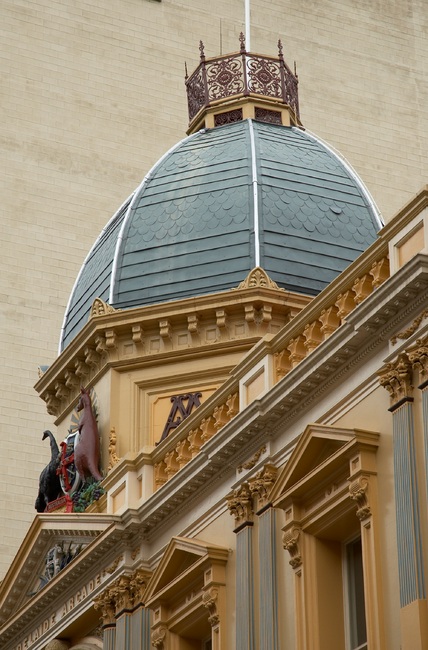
(87,450)
(49,485)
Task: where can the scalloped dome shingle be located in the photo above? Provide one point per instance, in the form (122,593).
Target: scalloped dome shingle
(220,203)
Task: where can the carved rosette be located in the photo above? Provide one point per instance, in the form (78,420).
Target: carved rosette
(396,378)
(358,493)
(209,600)
(262,484)
(240,504)
(290,541)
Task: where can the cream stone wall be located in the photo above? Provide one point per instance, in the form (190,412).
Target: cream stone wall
(92,94)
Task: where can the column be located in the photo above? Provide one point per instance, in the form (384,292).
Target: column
(124,604)
(260,487)
(240,506)
(105,602)
(396,378)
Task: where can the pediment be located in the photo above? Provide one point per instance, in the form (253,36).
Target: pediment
(52,543)
(183,558)
(319,451)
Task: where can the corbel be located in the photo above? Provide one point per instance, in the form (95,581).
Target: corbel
(290,541)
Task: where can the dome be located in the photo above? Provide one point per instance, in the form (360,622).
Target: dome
(221,202)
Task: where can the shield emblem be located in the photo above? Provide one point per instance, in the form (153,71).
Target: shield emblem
(68,475)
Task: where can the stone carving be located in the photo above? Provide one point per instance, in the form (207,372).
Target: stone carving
(396,378)
(358,493)
(113,457)
(290,541)
(418,357)
(209,600)
(253,460)
(57,558)
(258,278)
(49,485)
(262,483)
(240,504)
(101,308)
(87,451)
(159,637)
(405,334)
(106,603)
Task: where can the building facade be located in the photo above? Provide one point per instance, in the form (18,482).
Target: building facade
(92,95)
(261,416)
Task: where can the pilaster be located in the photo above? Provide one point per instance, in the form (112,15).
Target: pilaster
(397,379)
(240,506)
(260,487)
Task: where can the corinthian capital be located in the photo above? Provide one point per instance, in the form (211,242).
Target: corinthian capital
(261,484)
(418,357)
(396,378)
(240,504)
(106,603)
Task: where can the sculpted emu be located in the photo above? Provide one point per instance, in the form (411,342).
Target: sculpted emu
(87,450)
(49,485)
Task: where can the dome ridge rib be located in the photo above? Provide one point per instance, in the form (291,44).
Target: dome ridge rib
(135,197)
(352,173)
(255,193)
(106,228)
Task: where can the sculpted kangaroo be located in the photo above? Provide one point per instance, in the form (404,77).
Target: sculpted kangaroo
(87,451)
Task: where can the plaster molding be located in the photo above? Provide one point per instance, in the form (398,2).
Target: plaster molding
(159,636)
(261,484)
(240,504)
(290,542)
(358,492)
(396,378)
(418,357)
(210,601)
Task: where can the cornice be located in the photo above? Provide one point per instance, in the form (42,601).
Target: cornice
(119,339)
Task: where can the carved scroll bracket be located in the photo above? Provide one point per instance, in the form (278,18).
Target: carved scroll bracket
(358,493)
(210,600)
(290,541)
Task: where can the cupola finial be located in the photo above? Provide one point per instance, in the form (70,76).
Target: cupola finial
(241,85)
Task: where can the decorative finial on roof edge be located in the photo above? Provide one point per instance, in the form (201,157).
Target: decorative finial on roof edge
(258,278)
(101,308)
(202,51)
(242,41)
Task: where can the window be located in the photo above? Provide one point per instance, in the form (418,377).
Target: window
(354,595)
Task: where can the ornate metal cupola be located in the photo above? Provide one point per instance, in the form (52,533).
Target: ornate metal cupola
(242,85)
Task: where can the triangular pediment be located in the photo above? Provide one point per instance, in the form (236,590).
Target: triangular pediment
(183,558)
(50,546)
(317,451)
